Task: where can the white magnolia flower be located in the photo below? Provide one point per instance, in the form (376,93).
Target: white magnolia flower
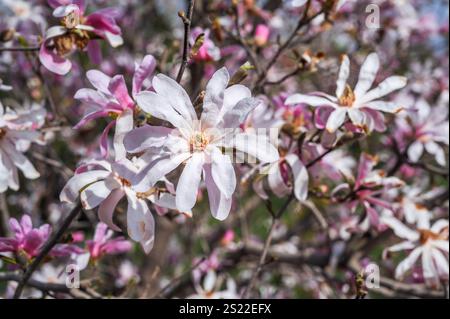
(426,241)
(18,129)
(357,104)
(197,143)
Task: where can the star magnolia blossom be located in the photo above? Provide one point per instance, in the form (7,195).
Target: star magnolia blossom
(28,241)
(77,31)
(426,241)
(197,143)
(103,184)
(429,127)
(358,104)
(18,129)
(111,99)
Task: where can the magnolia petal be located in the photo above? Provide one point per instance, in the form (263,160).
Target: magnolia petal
(367,75)
(301,177)
(145,137)
(309,100)
(389,85)
(223,172)
(344,72)
(187,188)
(71,190)
(255,145)
(336,119)
(108,206)
(142,72)
(220,206)
(99,80)
(94,194)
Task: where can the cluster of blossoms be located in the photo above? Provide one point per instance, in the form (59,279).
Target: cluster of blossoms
(231,118)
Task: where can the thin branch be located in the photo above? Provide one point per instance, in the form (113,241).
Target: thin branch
(4,211)
(53,240)
(19,49)
(187,20)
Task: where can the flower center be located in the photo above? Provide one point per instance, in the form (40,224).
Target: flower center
(348,97)
(71,20)
(198,142)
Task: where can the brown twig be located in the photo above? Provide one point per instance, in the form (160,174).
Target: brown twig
(53,240)
(187,20)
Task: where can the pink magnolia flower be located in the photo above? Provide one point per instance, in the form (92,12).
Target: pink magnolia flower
(28,241)
(111,99)
(369,186)
(430,242)
(18,129)
(208,51)
(77,32)
(103,244)
(428,127)
(360,105)
(197,143)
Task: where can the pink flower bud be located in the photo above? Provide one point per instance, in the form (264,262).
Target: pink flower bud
(262,34)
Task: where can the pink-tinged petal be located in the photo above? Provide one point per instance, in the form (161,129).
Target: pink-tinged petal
(344,72)
(20,161)
(408,263)
(104,146)
(301,177)
(32,242)
(117,246)
(99,80)
(108,206)
(220,206)
(71,191)
(441,244)
(188,184)
(405,245)
(94,52)
(262,34)
(8,245)
(157,170)
(100,233)
(321,115)
(54,32)
(223,172)
(387,86)
(215,89)
(357,117)
(439,153)
(366,165)
(429,269)
(102,22)
(118,89)
(439,226)
(94,194)
(15,227)
(140,222)
(388,107)
(91,97)
(237,115)
(441,263)
(63,250)
(415,151)
(115,40)
(158,106)
(336,119)
(375,120)
(232,96)
(309,100)
(257,146)
(142,72)
(26,224)
(276,181)
(175,95)
(54,62)
(90,117)
(367,75)
(145,137)
(124,124)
